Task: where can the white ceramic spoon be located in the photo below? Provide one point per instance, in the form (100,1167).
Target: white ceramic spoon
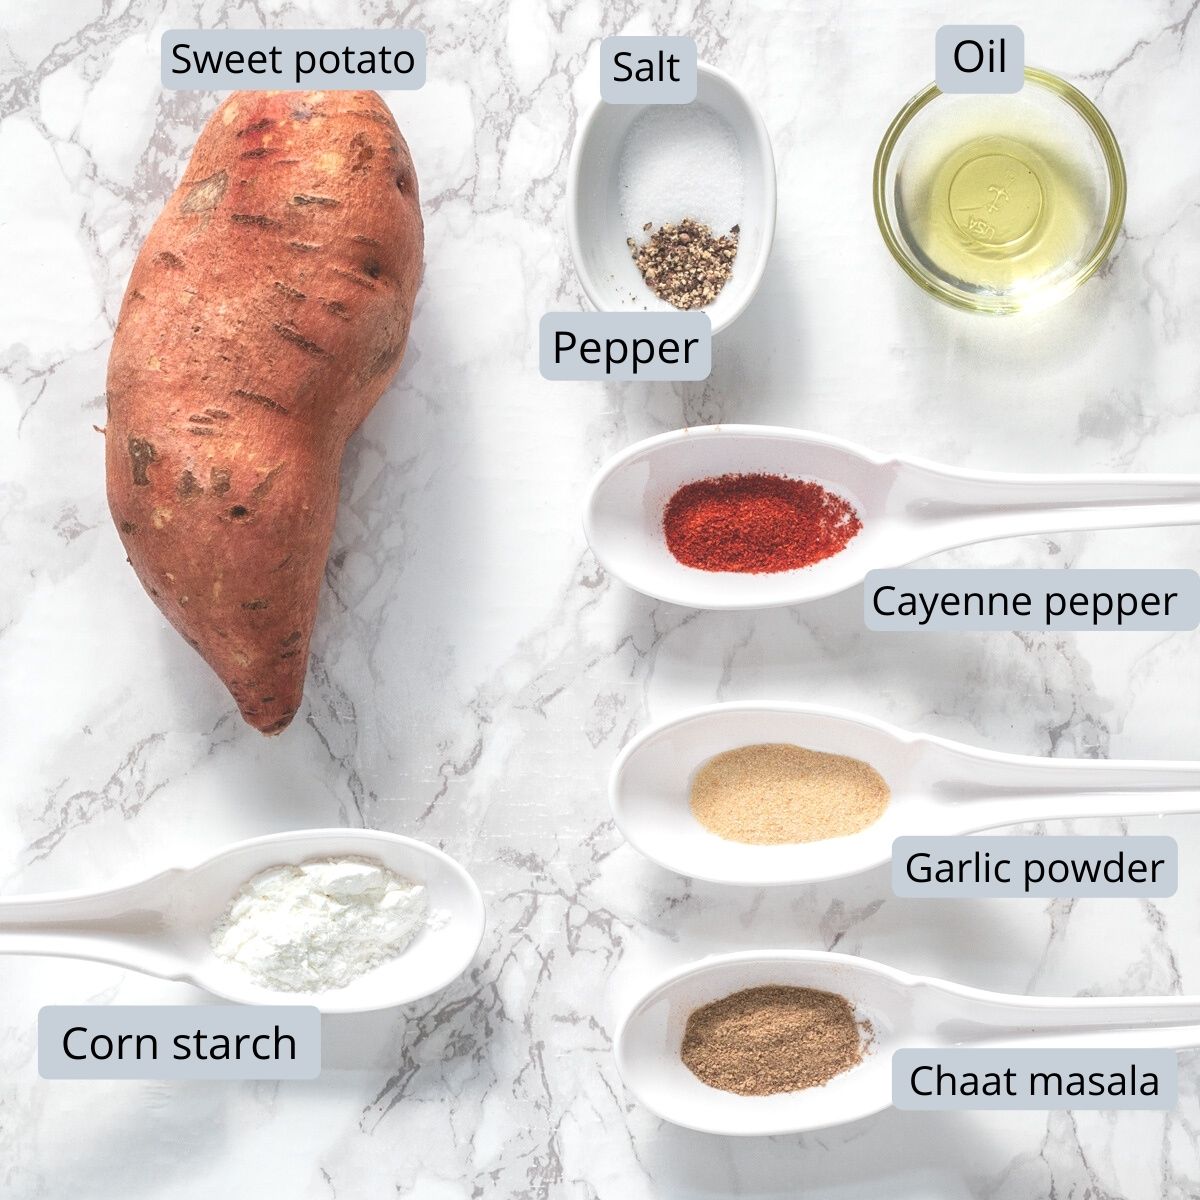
(909,509)
(938,788)
(904,1010)
(161,925)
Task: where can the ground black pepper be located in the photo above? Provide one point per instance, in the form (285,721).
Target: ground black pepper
(685,264)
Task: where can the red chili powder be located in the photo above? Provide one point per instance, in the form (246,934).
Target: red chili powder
(756,523)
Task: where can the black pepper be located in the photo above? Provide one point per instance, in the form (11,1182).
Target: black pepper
(685,264)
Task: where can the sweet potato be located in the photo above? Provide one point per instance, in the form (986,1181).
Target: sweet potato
(266,314)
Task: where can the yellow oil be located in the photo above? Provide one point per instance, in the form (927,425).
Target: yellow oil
(1000,215)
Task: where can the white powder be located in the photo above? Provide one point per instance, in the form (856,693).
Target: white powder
(321,924)
(680,160)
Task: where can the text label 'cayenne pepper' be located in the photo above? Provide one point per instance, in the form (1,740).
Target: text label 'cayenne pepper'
(756,524)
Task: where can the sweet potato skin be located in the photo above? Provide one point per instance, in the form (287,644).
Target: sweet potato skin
(265,315)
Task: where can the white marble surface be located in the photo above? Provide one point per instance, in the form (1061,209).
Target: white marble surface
(474,672)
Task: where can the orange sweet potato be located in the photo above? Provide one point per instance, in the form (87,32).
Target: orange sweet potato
(266,314)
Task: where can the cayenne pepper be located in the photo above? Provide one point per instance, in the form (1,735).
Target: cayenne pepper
(756,523)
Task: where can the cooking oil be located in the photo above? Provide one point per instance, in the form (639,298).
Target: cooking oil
(1000,214)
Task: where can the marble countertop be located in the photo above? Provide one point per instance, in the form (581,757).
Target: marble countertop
(474,672)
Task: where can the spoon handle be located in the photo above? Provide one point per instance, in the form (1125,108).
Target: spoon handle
(977,1017)
(1012,789)
(89,910)
(100,946)
(122,925)
(984,505)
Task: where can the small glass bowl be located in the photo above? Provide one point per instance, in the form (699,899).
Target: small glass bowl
(1031,195)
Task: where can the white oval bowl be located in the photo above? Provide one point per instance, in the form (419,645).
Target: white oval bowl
(596,229)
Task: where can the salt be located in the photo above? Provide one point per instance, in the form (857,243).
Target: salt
(680,160)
